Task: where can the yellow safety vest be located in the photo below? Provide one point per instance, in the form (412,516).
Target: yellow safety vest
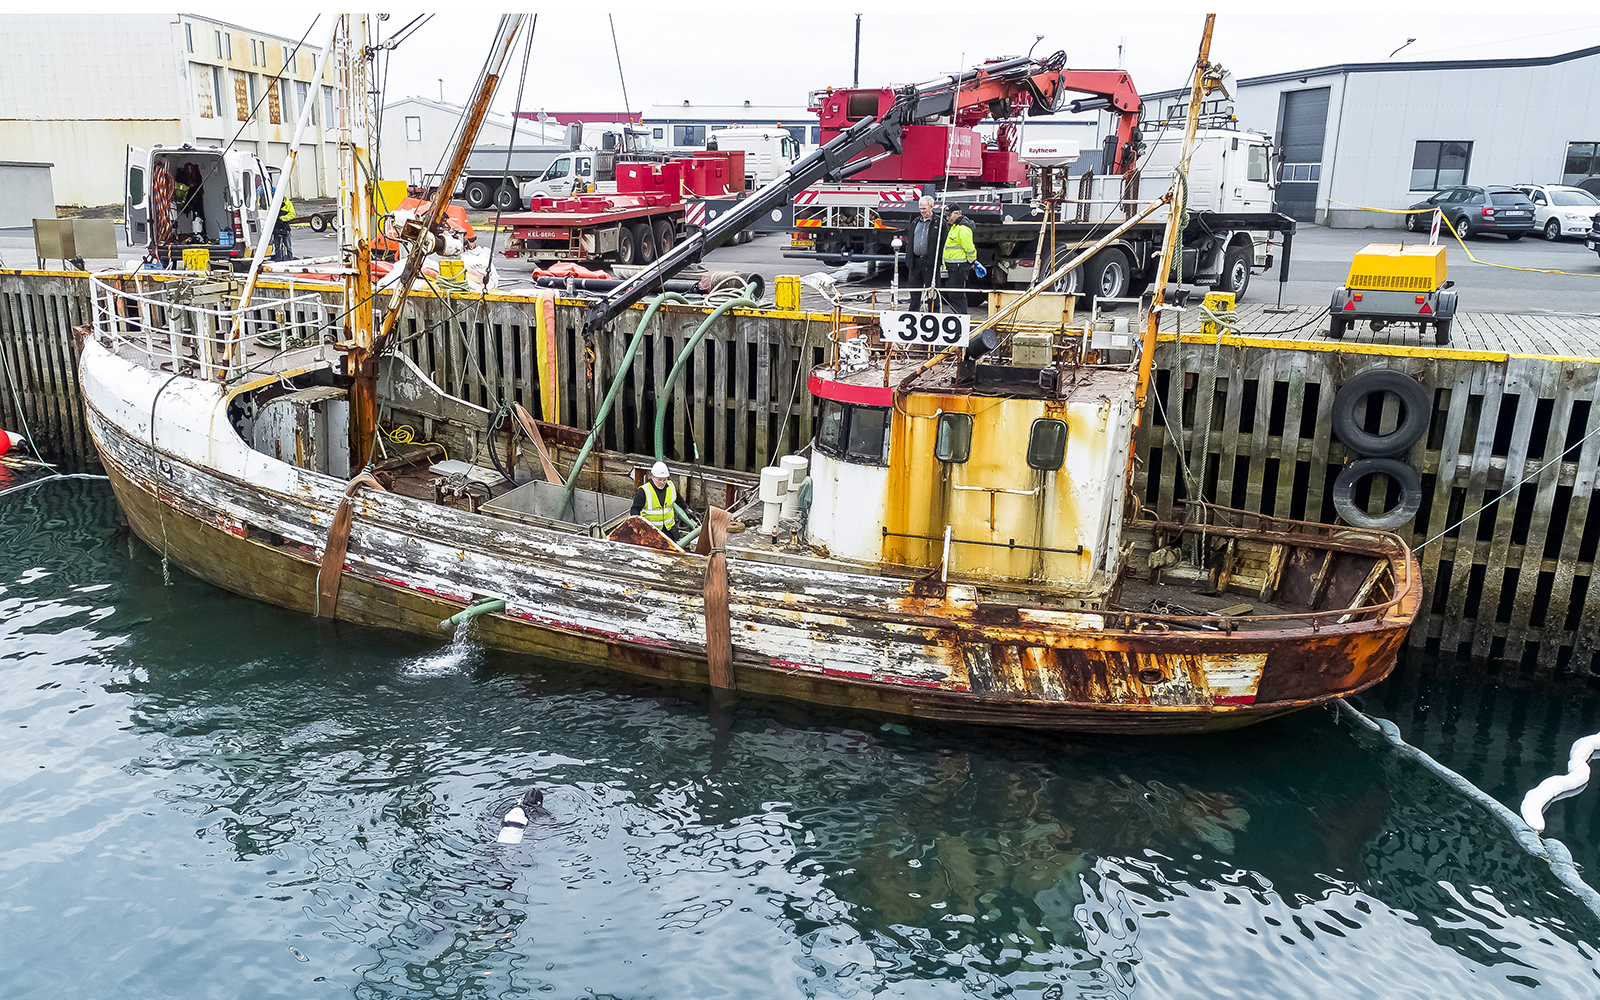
(286,213)
(658,509)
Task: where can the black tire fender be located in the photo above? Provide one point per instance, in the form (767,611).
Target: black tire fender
(1413,421)
(1404,478)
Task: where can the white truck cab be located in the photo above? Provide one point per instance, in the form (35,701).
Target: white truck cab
(768,152)
(178,198)
(1231,170)
(570,173)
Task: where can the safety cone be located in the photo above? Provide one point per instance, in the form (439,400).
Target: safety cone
(8,441)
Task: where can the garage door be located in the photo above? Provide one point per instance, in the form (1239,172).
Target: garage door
(1303,122)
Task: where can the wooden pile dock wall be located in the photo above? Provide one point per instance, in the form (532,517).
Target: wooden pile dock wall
(1250,418)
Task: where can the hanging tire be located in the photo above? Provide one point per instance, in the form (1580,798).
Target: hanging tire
(1401,476)
(666,235)
(1235,275)
(1414,417)
(1109,274)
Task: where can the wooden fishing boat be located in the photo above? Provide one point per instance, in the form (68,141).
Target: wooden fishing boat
(966,553)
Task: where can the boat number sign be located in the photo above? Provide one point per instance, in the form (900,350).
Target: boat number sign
(927,329)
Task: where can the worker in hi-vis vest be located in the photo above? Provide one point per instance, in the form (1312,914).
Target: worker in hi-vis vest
(959,256)
(281,247)
(653,501)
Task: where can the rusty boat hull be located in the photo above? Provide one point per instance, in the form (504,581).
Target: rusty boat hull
(850,637)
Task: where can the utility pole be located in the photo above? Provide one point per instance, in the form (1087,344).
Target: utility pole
(855,80)
(441,90)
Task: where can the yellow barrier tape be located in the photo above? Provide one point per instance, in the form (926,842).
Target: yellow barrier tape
(1464,248)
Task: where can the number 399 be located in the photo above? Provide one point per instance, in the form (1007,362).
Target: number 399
(928,328)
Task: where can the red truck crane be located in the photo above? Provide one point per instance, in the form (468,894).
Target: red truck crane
(1020,83)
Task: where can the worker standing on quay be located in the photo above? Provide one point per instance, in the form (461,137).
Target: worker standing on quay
(923,260)
(959,256)
(655,499)
(281,248)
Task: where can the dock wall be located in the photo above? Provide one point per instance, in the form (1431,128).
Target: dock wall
(1240,421)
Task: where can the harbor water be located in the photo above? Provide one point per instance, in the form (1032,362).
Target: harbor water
(204,796)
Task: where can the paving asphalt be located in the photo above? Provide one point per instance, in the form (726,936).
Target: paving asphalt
(1320,262)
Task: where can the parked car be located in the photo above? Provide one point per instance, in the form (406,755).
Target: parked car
(1593,242)
(1560,210)
(1473,210)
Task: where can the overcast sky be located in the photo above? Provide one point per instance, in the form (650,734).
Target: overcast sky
(774,53)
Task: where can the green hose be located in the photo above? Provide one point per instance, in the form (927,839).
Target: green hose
(482,607)
(611,397)
(699,334)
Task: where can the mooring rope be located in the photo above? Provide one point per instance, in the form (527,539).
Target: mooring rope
(1549,850)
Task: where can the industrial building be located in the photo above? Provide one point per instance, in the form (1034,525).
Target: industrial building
(180,78)
(1389,134)
(416,133)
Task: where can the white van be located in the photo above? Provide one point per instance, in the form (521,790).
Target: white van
(178,198)
(768,152)
(567,174)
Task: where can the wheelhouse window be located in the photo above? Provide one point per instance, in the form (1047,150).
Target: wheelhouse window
(1436,165)
(953,440)
(1047,444)
(858,434)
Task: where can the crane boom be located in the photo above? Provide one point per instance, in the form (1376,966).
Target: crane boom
(1010,82)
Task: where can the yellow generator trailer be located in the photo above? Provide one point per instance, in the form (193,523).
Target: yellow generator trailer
(1392,283)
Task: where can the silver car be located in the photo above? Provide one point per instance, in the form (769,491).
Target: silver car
(1559,210)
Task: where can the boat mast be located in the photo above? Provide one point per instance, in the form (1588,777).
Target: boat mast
(1205,79)
(355,230)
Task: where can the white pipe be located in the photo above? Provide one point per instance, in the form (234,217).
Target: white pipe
(1560,786)
(283,176)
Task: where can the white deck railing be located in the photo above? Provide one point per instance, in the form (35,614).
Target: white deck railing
(194,323)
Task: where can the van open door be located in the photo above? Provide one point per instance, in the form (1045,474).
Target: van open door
(136,197)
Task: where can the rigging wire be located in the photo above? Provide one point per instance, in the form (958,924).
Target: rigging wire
(627,109)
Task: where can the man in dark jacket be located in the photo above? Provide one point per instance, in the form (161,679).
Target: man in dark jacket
(923,250)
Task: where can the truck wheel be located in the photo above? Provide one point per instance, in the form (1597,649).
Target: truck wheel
(507,199)
(666,235)
(1235,276)
(319,223)
(627,249)
(1109,274)
(477,194)
(644,242)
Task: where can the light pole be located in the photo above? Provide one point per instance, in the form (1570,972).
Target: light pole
(1408,42)
(855,80)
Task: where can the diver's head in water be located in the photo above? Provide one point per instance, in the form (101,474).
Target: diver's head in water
(515,822)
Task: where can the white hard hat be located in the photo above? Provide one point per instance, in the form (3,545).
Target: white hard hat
(660,470)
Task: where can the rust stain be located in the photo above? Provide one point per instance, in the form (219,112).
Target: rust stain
(637,531)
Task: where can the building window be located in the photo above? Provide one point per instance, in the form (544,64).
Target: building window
(254,80)
(816,134)
(413,129)
(688,135)
(241,96)
(1438,165)
(301,90)
(1047,444)
(219,44)
(205,104)
(416,178)
(953,440)
(660,133)
(216,90)
(188,35)
(227,42)
(287,64)
(1298,172)
(328,113)
(274,102)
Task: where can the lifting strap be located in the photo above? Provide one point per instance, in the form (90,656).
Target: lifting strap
(331,573)
(532,430)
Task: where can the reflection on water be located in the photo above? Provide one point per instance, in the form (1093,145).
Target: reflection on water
(205,796)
